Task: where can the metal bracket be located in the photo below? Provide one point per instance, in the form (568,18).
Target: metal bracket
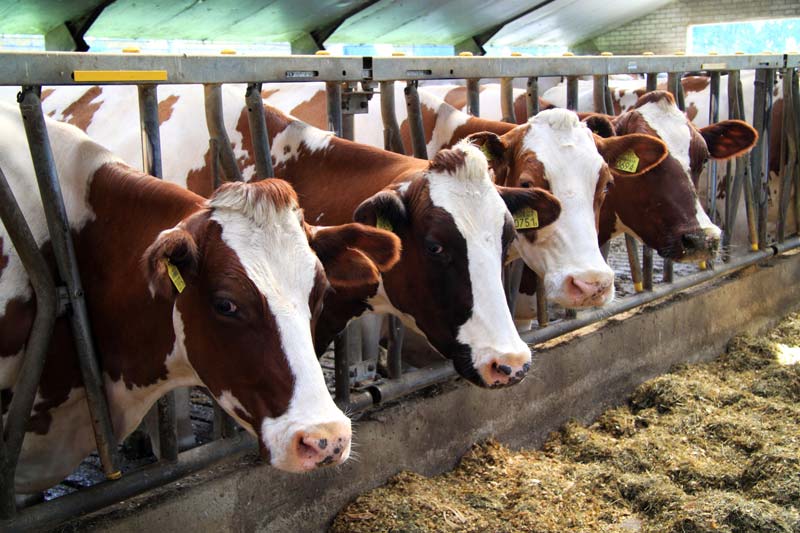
(356,102)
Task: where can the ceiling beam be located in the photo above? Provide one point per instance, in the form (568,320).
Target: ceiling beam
(69,35)
(475,43)
(321,34)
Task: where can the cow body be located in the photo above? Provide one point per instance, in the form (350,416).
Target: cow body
(240,327)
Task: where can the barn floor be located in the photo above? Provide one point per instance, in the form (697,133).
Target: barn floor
(712,447)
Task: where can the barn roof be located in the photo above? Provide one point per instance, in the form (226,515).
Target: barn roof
(311,23)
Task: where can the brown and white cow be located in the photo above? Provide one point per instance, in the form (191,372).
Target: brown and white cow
(454,225)
(240,327)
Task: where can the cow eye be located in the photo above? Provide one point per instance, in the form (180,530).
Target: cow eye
(526,184)
(225,307)
(434,248)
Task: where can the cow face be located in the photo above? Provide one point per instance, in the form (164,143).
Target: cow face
(662,207)
(556,152)
(253,285)
(455,229)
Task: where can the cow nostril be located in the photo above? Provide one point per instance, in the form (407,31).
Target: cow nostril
(692,241)
(503,369)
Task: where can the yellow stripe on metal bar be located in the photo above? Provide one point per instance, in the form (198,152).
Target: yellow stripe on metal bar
(119,75)
(638,286)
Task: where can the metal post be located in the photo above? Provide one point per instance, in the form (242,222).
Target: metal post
(395,347)
(507,100)
(341,368)
(151,156)
(19,410)
(216,130)
(334,92)
(599,90)
(652,81)
(788,152)
(258,132)
(796,100)
(572,93)
(473,97)
(746,178)
(713,117)
(542,316)
(415,121)
(64,252)
(647,267)
(392,139)
(759,158)
(148,122)
(512,277)
(532,96)
(633,260)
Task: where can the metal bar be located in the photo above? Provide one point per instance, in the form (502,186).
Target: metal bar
(609,101)
(473,97)
(647,267)
(64,251)
(512,279)
(605,248)
(652,81)
(148,122)
(215,122)
(542,316)
(761,97)
(167,427)
(412,381)
(27,383)
(334,100)
(713,117)
(341,372)
(788,152)
(394,354)
(258,131)
(599,88)
(572,93)
(507,100)
(418,146)
(392,139)
(796,100)
(633,260)
(43,517)
(532,96)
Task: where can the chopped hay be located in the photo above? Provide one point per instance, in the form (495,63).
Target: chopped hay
(711,447)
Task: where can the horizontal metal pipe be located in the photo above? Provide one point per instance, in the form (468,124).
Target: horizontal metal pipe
(43,516)
(413,381)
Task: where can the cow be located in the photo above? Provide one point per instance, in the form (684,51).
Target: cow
(181,291)
(454,225)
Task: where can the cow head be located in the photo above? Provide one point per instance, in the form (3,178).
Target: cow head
(246,285)
(556,152)
(662,207)
(455,229)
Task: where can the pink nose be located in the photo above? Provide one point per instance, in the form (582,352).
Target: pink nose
(505,371)
(585,292)
(322,445)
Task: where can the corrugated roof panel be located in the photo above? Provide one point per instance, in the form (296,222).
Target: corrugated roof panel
(572,21)
(425,21)
(40,16)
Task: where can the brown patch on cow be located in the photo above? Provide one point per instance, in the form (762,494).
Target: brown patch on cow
(691,112)
(457,97)
(266,93)
(46,93)
(313,111)
(243,127)
(165,108)
(695,84)
(201,180)
(80,112)
(15,325)
(447,161)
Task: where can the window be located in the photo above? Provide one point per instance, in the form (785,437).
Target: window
(750,37)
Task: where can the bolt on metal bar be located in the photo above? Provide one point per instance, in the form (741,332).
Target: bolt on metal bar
(215,121)
(417,131)
(19,410)
(473,97)
(392,139)
(633,260)
(572,93)
(507,100)
(258,131)
(67,262)
(532,96)
(151,157)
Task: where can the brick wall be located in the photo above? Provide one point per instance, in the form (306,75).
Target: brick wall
(664,31)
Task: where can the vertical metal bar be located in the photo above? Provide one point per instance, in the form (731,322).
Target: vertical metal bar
(609,101)
(713,117)
(796,99)
(148,122)
(258,131)
(572,93)
(652,81)
(341,368)
(746,179)
(224,424)
(512,279)
(151,156)
(599,88)
(674,86)
(761,97)
(19,410)
(647,268)
(532,96)
(542,317)
(334,92)
(64,251)
(415,121)
(392,139)
(605,248)
(395,347)
(633,260)
(215,122)
(788,152)
(507,100)
(473,97)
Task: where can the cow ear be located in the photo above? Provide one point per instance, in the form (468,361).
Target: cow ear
(495,149)
(729,138)
(631,155)
(354,254)
(532,208)
(599,124)
(169,261)
(384,210)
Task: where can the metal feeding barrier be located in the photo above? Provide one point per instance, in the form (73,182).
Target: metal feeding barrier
(355,349)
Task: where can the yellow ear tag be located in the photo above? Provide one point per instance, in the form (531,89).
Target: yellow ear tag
(175,276)
(383,223)
(526,218)
(627,162)
(485,151)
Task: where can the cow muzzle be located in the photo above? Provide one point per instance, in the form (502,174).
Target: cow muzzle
(699,245)
(505,370)
(588,288)
(319,445)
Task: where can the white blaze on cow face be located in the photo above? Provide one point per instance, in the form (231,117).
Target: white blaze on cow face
(470,197)
(673,127)
(566,253)
(286,277)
